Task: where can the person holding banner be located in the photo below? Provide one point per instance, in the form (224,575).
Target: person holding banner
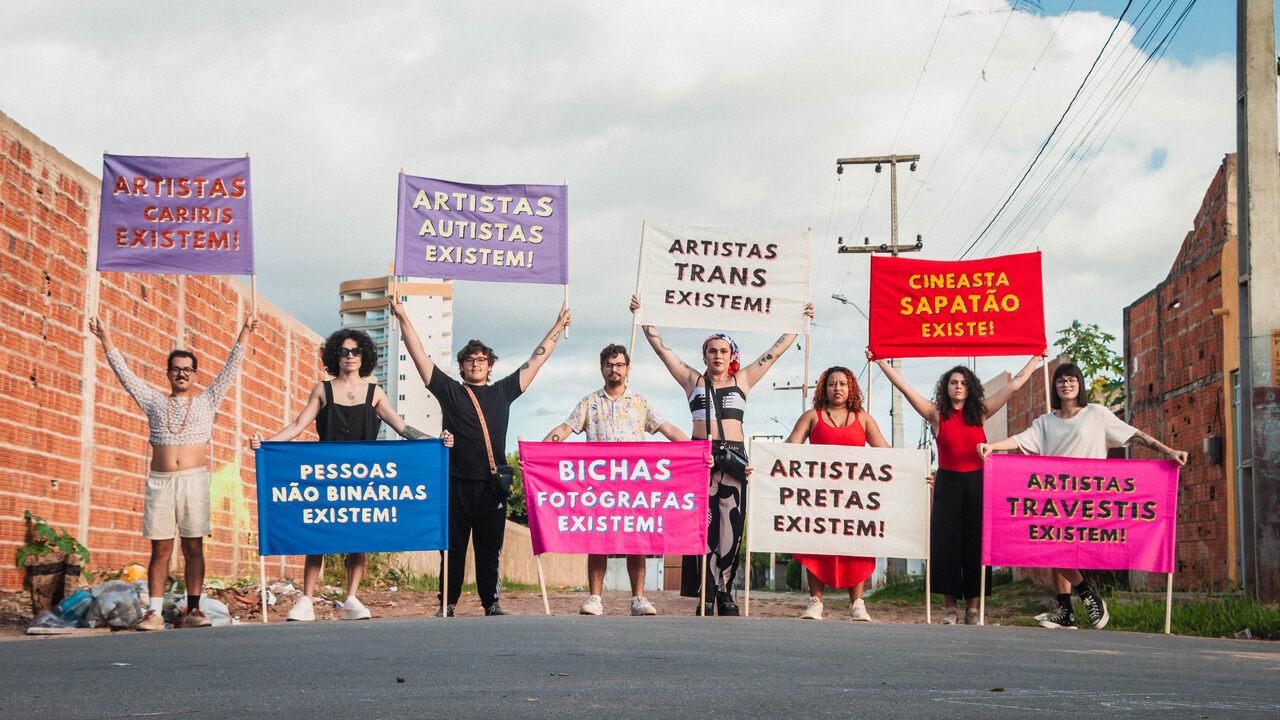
(837,418)
(955,416)
(615,414)
(177,495)
(351,406)
(476,412)
(1077,428)
(717,403)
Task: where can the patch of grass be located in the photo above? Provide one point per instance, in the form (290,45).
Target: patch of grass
(1203,617)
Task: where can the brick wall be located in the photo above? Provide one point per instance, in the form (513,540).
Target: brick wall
(73,445)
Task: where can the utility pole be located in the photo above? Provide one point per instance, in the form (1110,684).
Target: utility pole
(892,247)
(1258,208)
(804,393)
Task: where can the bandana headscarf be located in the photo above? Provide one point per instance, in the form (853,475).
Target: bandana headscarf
(733,348)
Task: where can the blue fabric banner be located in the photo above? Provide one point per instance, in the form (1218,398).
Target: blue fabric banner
(341,497)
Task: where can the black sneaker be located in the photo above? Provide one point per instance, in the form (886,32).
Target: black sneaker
(442,612)
(1096,607)
(1061,618)
(495,609)
(708,609)
(725,606)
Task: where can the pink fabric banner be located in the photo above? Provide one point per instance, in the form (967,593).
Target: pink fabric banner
(644,498)
(1079,513)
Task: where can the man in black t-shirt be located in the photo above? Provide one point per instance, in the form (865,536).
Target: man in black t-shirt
(477,503)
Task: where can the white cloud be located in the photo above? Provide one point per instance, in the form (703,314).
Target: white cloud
(712,113)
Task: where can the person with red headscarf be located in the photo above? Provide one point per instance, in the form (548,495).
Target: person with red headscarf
(837,418)
(718,401)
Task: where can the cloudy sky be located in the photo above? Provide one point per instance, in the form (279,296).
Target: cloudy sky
(726,114)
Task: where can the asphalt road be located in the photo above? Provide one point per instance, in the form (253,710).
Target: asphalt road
(620,667)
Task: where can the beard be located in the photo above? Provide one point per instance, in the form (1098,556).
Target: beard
(614,383)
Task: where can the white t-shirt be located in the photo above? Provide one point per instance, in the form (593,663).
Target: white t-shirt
(1086,435)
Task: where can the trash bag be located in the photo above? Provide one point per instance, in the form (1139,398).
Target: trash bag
(74,611)
(117,604)
(52,577)
(47,619)
(215,610)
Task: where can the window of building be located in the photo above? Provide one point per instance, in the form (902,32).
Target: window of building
(402,397)
(402,377)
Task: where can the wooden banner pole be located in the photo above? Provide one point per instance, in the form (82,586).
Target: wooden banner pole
(566,304)
(702,588)
(1048,402)
(262,581)
(982,594)
(804,384)
(1168,607)
(542,585)
(644,230)
(928,561)
(444,583)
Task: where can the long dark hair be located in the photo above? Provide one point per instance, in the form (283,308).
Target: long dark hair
(1072,370)
(853,404)
(973,410)
(329,351)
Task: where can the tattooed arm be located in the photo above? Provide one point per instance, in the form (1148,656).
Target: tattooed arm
(679,369)
(559,433)
(529,370)
(1141,439)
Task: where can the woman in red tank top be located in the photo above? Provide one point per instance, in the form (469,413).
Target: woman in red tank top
(955,415)
(837,418)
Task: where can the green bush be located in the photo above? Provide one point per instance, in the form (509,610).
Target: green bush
(793,574)
(44,539)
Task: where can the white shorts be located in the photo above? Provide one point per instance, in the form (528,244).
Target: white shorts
(176,504)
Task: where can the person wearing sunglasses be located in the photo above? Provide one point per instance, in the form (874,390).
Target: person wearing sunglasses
(176,501)
(349,407)
(476,412)
(1077,428)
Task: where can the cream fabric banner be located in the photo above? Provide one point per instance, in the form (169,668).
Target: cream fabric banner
(838,500)
(721,279)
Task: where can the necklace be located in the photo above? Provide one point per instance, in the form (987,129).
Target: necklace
(168,417)
(832,421)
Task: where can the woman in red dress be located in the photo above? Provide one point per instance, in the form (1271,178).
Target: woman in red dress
(837,418)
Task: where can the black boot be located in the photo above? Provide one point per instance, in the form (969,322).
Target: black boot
(725,606)
(708,609)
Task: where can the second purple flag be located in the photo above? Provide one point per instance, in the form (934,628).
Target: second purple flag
(499,233)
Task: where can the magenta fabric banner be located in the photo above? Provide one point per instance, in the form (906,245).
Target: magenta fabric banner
(185,216)
(500,233)
(646,498)
(1079,513)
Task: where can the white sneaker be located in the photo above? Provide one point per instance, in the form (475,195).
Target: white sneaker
(641,606)
(592,606)
(858,611)
(302,610)
(951,617)
(814,611)
(353,609)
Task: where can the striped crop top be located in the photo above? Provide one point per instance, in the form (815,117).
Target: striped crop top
(178,420)
(731,402)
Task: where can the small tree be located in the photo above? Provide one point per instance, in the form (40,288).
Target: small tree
(1090,347)
(516,509)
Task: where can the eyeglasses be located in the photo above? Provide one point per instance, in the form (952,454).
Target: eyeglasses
(1066,381)
(182,370)
(613,366)
(477,360)
(350,352)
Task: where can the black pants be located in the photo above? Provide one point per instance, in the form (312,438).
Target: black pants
(726,507)
(955,542)
(475,513)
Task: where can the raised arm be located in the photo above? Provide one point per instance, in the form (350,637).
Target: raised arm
(751,374)
(529,370)
(222,383)
(411,342)
(992,405)
(305,418)
(804,426)
(925,408)
(142,393)
(1141,439)
(679,369)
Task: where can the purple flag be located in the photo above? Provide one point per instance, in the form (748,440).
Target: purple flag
(185,216)
(501,233)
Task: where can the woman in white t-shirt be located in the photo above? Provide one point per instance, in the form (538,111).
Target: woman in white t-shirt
(1077,428)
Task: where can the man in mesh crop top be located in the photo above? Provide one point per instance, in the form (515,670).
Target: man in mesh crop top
(176,501)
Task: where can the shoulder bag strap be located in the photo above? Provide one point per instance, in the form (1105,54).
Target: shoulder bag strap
(711,405)
(484,428)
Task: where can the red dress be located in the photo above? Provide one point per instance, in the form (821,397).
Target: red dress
(838,571)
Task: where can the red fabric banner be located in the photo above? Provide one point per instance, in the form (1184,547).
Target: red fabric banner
(931,308)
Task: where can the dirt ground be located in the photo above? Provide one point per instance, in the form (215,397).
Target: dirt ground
(15,608)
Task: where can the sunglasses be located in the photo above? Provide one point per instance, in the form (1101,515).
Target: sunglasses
(350,352)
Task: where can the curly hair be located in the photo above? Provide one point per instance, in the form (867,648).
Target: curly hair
(474,346)
(329,351)
(973,410)
(853,404)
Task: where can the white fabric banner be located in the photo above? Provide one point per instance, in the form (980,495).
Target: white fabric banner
(721,279)
(838,500)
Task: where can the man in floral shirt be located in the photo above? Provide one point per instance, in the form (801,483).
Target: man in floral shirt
(615,414)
